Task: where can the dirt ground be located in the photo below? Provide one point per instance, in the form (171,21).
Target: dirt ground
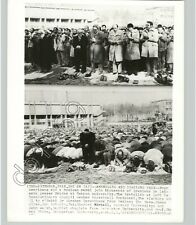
(96,176)
(52,77)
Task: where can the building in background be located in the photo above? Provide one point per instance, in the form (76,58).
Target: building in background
(48,115)
(44,15)
(163,109)
(52,15)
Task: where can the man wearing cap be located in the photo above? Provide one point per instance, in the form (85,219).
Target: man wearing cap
(150,48)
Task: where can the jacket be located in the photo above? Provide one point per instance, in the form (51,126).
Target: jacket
(132,51)
(150,44)
(83,42)
(162,43)
(96,48)
(116,40)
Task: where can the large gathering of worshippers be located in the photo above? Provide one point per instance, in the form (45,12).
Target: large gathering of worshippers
(117,50)
(125,148)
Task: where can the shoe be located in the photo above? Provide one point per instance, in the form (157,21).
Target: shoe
(88,75)
(96,166)
(70,169)
(168,168)
(127,170)
(82,168)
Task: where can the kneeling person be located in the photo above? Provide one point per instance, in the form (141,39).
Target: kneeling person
(87,140)
(153,158)
(122,157)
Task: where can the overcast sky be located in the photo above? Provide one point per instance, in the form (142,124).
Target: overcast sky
(96,95)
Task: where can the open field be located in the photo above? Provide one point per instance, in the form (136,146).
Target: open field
(97,176)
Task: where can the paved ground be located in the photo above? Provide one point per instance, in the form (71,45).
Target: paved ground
(52,77)
(97,176)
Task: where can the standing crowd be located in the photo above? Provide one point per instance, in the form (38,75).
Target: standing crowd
(125,50)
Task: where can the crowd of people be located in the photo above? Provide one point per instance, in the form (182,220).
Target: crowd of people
(119,50)
(119,147)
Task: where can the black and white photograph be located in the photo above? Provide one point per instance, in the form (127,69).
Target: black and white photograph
(97,120)
(111,136)
(76,134)
(69,44)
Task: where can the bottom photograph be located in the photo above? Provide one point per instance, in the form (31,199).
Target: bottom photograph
(98,135)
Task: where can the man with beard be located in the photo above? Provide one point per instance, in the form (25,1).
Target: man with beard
(87,140)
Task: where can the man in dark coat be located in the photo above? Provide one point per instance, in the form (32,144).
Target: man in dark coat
(80,43)
(27,37)
(46,48)
(87,140)
(36,49)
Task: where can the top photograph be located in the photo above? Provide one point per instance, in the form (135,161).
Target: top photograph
(102,45)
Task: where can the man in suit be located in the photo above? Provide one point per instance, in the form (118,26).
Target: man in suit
(87,141)
(80,43)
